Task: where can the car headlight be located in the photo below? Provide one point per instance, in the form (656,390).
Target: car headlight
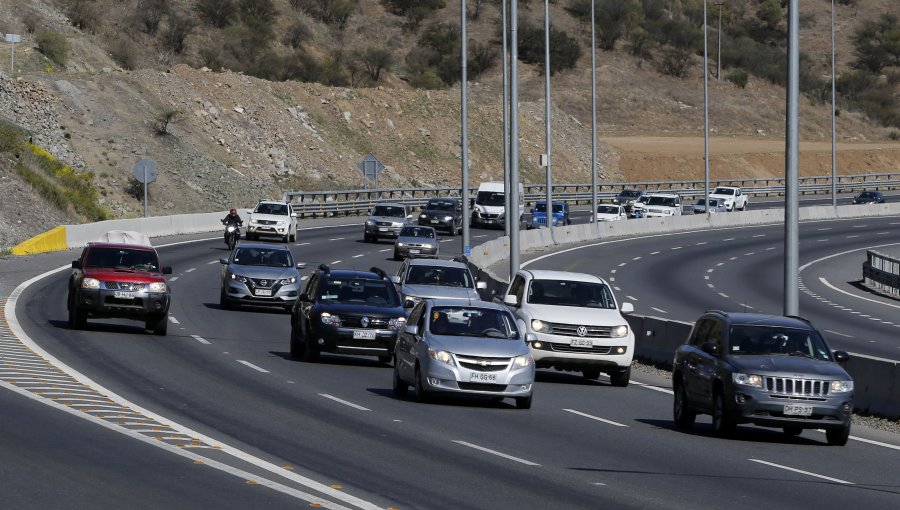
(369,223)
(522,361)
(158,287)
(442,356)
(254,222)
(448,218)
(619,331)
(751,380)
(841,386)
(280,223)
(428,246)
(90,283)
(423,216)
(288,281)
(242,279)
(396,324)
(330,320)
(396,224)
(399,244)
(540,326)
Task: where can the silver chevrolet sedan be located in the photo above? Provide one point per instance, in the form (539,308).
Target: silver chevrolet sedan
(416,242)
(473,348)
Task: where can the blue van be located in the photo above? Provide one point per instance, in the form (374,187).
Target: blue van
(539,215)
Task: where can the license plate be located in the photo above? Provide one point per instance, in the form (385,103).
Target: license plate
(363,335)
(415,251)
(482,377)
(435,222)
(382,229)
(263,292)
(581,342)
(797,410)
(123,295)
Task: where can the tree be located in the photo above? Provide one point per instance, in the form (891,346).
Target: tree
(149,14)
(175,35)
(613,18)
(564,49)
(375,60)
(217,13)
(877,43)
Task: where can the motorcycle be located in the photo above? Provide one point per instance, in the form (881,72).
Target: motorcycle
(232,234)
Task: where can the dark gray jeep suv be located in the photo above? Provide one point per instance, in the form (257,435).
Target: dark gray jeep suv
(767,370)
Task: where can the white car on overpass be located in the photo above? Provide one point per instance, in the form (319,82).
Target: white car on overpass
(662,205)
(733,197)
(577,322)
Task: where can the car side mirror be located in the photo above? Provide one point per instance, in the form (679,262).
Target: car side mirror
(627,308)
(412,329)
(167,269)
(303,297)
(841,356)
(223,261)
(395,280)
(76,264)
(511,300)
(408,303)
(480,285)
(409,216)
(301,265)
(711,348)
(295,215)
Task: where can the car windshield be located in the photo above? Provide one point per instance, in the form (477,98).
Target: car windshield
(867,194)
(391,211)
(542,208)
(274,209)
(491,198)
(630,193)
(703,202)
(439,275)
(767,340)
(472,321)
(643,199)
(571,293)
(607,209)
(724,191)
(440,205)
(124,259)
(260,256)
(663,201)
(426,232)
(358,291)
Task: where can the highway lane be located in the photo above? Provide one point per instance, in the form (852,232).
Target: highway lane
(337,422)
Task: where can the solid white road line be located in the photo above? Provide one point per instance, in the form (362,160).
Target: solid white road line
(191,270)
(172,279)
(336,262)
(658,310)
(876,443)
(173,320)
(832,287)
(254,367)
(654,388)
(795,470)
(579,413)
(493,452)
(200,339)
(350,404)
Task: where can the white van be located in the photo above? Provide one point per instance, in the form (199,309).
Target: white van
(489,208)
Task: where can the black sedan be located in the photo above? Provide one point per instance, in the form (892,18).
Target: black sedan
(869,197)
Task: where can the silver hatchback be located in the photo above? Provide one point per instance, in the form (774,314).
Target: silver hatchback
(474,348)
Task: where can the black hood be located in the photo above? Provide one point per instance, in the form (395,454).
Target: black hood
(780,365)
(389,312)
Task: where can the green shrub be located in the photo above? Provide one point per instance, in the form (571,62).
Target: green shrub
(877,43)
(415,11)
(149,14)
(84,15)
(217,13)
(675,63)
(176,33)
(427,79)
(124,52)
(613,18)
(31,20)
(297,34)
(894,135)
(564,50)
(739,77)
(375,60)
(11,138)
(53,45)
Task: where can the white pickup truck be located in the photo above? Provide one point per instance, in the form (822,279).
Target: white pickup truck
(733,197)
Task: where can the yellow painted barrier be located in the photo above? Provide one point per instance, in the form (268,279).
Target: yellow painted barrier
(51,240)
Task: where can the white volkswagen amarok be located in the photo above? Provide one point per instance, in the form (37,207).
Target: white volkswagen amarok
(577,321)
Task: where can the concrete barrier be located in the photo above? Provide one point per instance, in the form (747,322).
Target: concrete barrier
(876,386)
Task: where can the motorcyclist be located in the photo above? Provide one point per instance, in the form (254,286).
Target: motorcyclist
(233,218)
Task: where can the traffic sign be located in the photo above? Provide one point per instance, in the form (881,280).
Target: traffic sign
(13,38)
(370,168)
(145,171)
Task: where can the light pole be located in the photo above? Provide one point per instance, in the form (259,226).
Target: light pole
(464,114)
(833,126)
(705,115)
(719,42)
(594,120)
(514,138)
(547,113)
(792,174)
(505,100)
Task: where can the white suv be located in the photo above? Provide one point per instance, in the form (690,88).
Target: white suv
(662,205)
(576,319)
(272,218)
(732,196)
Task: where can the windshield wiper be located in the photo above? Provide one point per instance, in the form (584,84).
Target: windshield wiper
(800,353)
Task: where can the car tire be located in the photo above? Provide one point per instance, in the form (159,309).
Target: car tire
(397,255)
(77,318)
(419,388)
(591,374)
(386,359)
(524,402)
(837,437)
(285,238)
(451,231)
(294,237)
(310,351)
(399,386)
(159,326)
(792,431)
(224,303)
(683,416)
(296,345)
(621,377)
(722,421)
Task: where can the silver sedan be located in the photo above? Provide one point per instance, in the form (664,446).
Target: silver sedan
(474,348)
(416,242)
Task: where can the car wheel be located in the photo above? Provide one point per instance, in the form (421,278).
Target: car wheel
(722,421)
(285,238)
(224,303)
(792,431)
(838,437)
(452,231)
(310,350)
(744,207)
(684,417)
(591,374)
(158,326)
(385,359)
(397,255)
(524,402)
(621,377)
(400,387)
(77,319)
(296,345)
(294,237)
(420,391)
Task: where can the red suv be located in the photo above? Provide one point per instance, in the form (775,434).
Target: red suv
(113,280)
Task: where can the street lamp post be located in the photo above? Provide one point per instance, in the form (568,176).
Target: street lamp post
(719,42)
(505,100)
(792,164)
(464,114)
(514,138)
(833,123)
(594,120)
(705,114)
(547,113)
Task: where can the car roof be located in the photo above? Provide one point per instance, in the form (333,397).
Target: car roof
(759,319)
(544,202)
(729,187)
(661,194)
(546,274)
(473,303)
(391,204)
(271,202)
(353,274)
(435,262)
(269,246)
(121,245)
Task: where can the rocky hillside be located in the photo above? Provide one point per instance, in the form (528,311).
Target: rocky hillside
(232,138)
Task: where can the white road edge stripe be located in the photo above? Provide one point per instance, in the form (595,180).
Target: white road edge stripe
(658,310)
(173,320)
(494,452)
(16,327)
(579,413)
(200,339)
(795,470)
(251,365)
(654,388)
(346,403)
(832,287)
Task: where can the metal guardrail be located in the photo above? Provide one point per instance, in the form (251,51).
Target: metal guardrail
(357,202)
(882,273)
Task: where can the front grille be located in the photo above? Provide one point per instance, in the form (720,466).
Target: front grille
(797,387)
(539,221)
(482,364)
(266,222)
(384,223)
(482,387)
(263,283)
(596,349)
(133,287)
(355,321)
(490,216)
(571,330)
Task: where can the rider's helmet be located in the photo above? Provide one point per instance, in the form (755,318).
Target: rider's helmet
(233,211)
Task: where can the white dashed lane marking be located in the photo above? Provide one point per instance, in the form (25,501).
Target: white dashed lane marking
(482,235)
(200,339)
(632,298)
(826,228)
(191,270)
(723,295)
(358,256)
(852,237)
(335,262)
(173,320)
(251,365)
(749,254)
(700,243)
(623,264)
(613,271)
(710,270)
(654,253)
(676,247)
(760,235)
(770,248)
(382,251)
(301,244)
(795,470)
(637,258)
(658,309)
(211,262)
(337,239)
(342,401)
(881,233)
(172,279)
(498,454)
(729,239)
(596,418)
